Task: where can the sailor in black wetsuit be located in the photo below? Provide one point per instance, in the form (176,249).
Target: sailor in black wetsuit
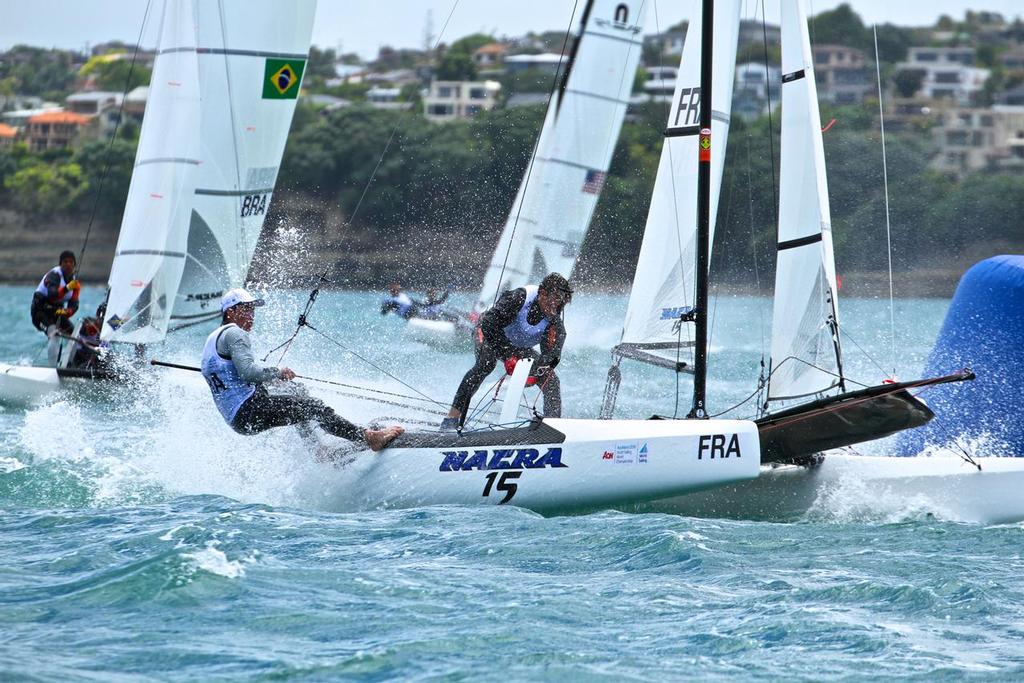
(521,319)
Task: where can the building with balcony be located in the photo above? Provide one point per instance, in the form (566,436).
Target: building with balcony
(103,107)
(946,73)
(659,83)
(490,56)
(450,100)
(54,130)
(756,89)
(841,74)
(547,61)
(980,139)
(8,135)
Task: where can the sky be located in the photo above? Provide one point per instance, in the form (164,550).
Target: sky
(365,25)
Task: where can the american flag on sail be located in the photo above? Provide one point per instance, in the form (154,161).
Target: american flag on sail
(594,181)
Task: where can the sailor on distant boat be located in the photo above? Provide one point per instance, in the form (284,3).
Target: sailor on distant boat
(520,320)
(398,301)
(55,301)
(237,381)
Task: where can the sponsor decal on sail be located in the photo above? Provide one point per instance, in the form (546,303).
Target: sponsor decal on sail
(281,78)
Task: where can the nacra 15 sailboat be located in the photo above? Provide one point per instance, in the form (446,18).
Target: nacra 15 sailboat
(665,319)
(554,465)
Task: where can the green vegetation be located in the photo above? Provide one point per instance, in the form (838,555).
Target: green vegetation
(112,73)
(457,62)
(36,71)
(40,188)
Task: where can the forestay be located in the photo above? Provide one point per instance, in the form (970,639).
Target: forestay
(252,56)
(151,247)
(805,355)
(663,286)
(557,197)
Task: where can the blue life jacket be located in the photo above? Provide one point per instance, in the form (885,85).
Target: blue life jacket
(229,390)
(403,304)
(521,333)
(45,292)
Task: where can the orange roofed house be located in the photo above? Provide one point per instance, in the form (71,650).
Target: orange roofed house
(53,129)
(7,135)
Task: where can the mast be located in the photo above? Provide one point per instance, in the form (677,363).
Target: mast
(700,351)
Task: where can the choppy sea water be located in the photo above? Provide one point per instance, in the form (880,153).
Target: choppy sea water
(142,540)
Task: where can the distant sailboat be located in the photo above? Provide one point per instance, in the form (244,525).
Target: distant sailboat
(223,90)
(567,171)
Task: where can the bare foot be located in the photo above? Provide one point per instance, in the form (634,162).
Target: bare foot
(378,439)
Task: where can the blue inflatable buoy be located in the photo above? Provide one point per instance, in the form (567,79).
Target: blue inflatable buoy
(983,330)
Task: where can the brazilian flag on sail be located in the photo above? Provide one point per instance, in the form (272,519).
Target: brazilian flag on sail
(281,78)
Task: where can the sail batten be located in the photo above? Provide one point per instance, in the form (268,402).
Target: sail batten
(805,357)
(557,196)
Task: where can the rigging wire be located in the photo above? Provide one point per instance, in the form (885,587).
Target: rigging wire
(533,157)
(373,365)
(113,137)
(867,355)
(888,227)
(286,344)
(395,129)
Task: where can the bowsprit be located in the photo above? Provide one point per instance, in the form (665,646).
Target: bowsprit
(500,459)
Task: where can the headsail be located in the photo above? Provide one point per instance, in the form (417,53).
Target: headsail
(557,198)
(663,286)
(150,254)
(805,355)
(252,56)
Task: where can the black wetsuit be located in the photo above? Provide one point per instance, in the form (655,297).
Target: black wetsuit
(263,411)
(492,344)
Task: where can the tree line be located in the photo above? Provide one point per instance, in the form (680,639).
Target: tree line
(461,177)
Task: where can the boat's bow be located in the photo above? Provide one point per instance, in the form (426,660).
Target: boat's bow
(795,434)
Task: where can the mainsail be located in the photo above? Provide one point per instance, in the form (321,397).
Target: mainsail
(557,197)
(252,56)
(805,355)
(663,286)
(224,87)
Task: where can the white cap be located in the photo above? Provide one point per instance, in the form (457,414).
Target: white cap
(236,296)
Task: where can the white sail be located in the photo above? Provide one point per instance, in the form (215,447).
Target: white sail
(805,352)
(252,56)
(150,252)
(663,286)
(557,197)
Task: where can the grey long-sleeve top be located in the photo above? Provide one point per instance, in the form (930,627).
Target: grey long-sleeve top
(234,343)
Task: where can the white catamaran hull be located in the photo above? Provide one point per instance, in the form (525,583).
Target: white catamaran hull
(854,486)
(25,384)
(560,465)
(443,333)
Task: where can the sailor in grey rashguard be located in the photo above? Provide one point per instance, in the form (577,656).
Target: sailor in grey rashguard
(237,380)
